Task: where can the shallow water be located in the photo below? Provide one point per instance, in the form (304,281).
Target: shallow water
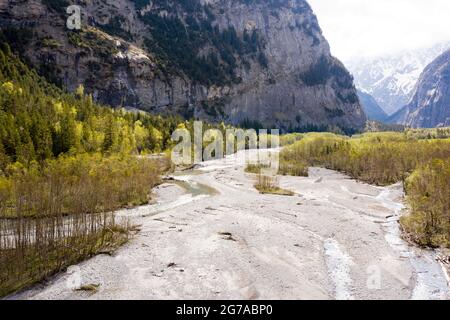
(194,188)
(338,264)
(192,191)
(431,282)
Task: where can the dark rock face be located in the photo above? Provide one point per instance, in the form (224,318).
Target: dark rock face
(430,105)
(371,107)
(238,61)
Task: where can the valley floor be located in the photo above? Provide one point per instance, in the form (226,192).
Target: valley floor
(213,236)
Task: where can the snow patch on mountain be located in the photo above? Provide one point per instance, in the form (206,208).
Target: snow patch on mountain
(391,80)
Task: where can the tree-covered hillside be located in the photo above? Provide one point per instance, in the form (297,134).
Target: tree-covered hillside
(61,155)
(38,121)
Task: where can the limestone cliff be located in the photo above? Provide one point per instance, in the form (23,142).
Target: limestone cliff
(247,62)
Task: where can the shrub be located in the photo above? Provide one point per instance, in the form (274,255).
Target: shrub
(428,195)
(270,185)
(62,212)
(288,139)
(294,168)
(377,158)
(255,168)
(79,185)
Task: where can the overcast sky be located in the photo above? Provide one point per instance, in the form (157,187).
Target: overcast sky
(377,27)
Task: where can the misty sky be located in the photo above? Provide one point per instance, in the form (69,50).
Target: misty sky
(377,27)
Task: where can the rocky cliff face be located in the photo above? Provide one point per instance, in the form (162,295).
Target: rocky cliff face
(430,105)
(252,62)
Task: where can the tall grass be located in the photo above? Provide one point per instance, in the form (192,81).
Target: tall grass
(62,212)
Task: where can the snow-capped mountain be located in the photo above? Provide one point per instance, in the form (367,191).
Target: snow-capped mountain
(391,79)
(430,105)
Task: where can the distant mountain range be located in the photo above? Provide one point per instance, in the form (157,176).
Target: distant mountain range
(430,105)
(371,108)
(391,79)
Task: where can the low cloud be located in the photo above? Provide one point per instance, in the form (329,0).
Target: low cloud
(372,28)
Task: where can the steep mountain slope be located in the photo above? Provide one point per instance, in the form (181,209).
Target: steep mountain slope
(252,62)
(38,121)
(399,117)
(391,79)
(371,107)
(430,105)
